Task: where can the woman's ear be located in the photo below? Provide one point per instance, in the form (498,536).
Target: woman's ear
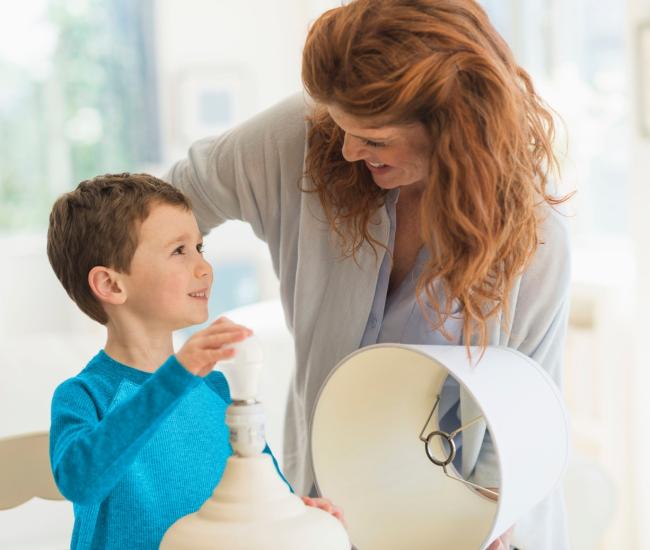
(106,285)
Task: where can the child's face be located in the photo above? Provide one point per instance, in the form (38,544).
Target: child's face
(169,281)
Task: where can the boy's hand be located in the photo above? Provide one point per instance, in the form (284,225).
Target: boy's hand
(204,348)
(327,506)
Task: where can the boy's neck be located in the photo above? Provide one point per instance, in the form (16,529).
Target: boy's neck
(137,347)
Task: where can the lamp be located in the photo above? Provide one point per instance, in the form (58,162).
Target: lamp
(252,508)
(379,452)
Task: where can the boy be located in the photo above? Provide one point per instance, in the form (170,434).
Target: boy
(138,437)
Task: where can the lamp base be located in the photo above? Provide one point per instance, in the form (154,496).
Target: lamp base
(253,509)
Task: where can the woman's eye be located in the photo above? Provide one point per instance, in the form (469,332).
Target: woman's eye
(180,250)
(370,143)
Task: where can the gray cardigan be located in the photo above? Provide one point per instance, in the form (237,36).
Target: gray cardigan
(253,173)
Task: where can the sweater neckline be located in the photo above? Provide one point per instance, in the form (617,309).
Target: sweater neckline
(105,363)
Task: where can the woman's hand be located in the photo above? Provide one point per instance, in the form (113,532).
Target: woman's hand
(204,348)
(326,506)
(503,542)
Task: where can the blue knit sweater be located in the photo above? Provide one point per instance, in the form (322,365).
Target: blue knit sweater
(135,451)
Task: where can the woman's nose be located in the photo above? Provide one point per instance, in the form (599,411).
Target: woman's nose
(352,149)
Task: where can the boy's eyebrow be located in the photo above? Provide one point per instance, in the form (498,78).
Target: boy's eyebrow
(184,237)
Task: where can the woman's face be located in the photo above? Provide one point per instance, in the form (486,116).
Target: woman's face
(396,156)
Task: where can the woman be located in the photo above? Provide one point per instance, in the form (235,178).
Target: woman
(406,200)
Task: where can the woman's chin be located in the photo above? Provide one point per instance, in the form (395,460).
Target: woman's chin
(409,188)
(384,183)
(390,180)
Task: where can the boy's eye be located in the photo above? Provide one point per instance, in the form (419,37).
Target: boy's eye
(180,250)
(200,248)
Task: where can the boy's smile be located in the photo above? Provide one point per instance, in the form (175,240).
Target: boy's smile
(169,281)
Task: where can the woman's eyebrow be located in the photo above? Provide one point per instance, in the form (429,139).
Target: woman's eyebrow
(369,138)
(370,127)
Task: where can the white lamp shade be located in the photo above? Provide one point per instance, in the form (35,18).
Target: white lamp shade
(368,457)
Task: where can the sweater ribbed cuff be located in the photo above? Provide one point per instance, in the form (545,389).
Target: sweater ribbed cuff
(175,378)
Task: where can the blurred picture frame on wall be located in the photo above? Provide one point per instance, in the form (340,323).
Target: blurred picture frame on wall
(209,100)
(643,67)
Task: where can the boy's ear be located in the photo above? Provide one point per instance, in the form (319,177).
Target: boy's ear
(106,285)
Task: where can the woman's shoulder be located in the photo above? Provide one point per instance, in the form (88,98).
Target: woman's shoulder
(284,123)
(550,265)
(554,231)
(294,108)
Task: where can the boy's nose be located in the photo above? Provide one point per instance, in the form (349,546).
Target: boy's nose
(203,268)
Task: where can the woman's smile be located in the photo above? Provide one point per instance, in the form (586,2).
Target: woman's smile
(377,168)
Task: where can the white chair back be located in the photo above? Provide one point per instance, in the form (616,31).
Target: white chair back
(25,470)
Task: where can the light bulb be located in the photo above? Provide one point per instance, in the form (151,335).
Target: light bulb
(242,371)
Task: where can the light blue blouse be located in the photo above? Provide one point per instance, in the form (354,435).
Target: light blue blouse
(398,318)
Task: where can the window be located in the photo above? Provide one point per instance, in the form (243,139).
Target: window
(79,99)
(575,51)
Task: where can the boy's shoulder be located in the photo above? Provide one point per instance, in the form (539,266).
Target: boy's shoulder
(101,379)
(96,382)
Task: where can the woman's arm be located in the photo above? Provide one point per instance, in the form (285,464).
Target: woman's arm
(541,311)
(241,174)
(539,319)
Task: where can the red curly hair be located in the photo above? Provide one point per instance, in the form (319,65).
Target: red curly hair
(441,63)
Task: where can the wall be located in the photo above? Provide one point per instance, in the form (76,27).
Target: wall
(639,12)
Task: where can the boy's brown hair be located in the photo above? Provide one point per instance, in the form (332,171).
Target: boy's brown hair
(96,224)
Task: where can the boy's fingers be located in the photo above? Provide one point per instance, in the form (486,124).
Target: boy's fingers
(214,341)
(224,321)
(224,328)
(214,355)
(221,320)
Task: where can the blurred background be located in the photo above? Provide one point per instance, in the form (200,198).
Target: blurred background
(95,86)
